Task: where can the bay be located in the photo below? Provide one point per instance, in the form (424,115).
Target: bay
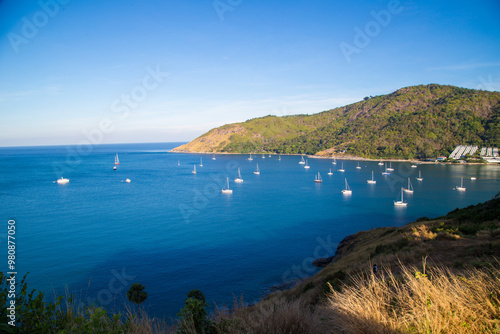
(174,231)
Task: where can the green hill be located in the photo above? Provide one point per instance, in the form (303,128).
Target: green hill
(412,122)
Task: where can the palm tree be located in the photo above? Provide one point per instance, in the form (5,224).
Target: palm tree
(136,294)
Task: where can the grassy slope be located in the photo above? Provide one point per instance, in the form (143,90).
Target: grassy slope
(460,250)
(417,121)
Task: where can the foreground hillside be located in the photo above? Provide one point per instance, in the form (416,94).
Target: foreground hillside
(435,276)
(412,122)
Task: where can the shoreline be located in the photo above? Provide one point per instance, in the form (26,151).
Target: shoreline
(348,157)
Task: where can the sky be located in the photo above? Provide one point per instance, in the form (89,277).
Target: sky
(126,71)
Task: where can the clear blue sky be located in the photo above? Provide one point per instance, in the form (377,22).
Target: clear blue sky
(65,68)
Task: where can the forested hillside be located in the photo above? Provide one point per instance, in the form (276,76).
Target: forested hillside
(412,122)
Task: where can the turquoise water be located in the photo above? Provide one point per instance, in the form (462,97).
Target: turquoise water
(174,231)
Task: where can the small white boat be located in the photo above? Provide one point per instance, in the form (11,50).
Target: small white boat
(330,172)
(279,157)
(358,166)
(62,180)
(380,163)
(390,169)
(263,157)
(318,178)
(302,162)
(213,157)
(386,170)
(269,155)
(461,188)
(410,187)
(257,171)
(250,158)
(413,166)
(342,168)
(347,190)
(114,167)
(372,181)
(307,166)
(420,178)
(178,162)
(201,162)
(194,169)
(227,190)
(334,162)
(401,202)
(117,161)
(238,179)
(127,180)
(473,178)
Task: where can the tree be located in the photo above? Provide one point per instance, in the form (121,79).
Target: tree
(194,315)
(136,294)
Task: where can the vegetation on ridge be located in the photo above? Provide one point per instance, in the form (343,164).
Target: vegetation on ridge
(413,122)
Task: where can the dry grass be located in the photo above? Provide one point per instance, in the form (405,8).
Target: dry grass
(276,316)
(437,301)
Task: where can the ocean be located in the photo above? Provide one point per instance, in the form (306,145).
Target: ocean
(173,231)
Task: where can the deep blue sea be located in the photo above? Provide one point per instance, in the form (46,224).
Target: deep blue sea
(174,231)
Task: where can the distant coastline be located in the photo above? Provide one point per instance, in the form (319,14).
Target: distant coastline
(343,157)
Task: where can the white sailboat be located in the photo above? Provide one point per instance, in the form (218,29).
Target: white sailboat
(269,155)
(318,178)
(62,180)
(227,190)
(117,161)
(372,181)
(390,169)
(347,190)
(307,166)
(279,157)
(380,163)
(342,168)
(302,162)
(178,162)
(201,162)
(358,166)
(401,202)
(410,187)
(194,169)
(238,179)
(263,157)
(334,162)
(330,172)
(257,171)
(213,157)
(386,170)
(420,178)
(461,188)
(250,158)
